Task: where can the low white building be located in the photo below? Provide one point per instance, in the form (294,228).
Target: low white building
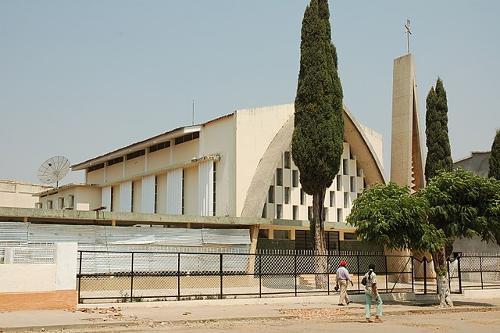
(19,194)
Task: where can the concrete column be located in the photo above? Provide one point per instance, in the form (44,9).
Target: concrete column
(113,223)
(291,234)
(65,258)
(25,219)
(270,233)
(9,255)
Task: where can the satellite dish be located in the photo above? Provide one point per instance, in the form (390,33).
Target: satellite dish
(53,170)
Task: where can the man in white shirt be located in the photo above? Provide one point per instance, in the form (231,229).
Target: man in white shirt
(343,277)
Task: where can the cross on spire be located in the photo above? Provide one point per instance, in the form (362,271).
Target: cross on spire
(408,33)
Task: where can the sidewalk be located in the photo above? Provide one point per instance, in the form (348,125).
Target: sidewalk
(161,313)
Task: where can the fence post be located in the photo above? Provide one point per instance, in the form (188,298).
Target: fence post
(80,278)
(412,276)
(132,277)
(220,274)
(295,271)
(425,275)
(459,275)
(481,270)
(357,260)
(449,275)
(328,273)
(260,275)
(178,276)
(386,273)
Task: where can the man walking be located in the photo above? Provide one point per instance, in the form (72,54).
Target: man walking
(343,277)
(371,294)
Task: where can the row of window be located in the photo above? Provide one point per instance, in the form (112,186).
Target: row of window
(295,213)
(271,197)
(153,148)
(61,204)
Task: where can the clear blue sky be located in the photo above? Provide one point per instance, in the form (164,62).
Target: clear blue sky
(80,78)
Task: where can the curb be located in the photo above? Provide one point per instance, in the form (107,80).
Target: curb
(42,328)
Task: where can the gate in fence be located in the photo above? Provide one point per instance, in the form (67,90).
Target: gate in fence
(107,276)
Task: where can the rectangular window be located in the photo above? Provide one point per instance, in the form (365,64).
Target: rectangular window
(49,204)
(159,146)
(279,177)
(340,218)
(156,196)
(71,201)
(279,211)
(287,195)
(270,195)
(132,198)
(287,161)
(136,154)
(61,202)
(187,137)
(95,167)
(183,183)
(339,182)
(295,212)
(325,214)
(38,205)
(332,198)
(111,203)
(280,234)
(346,200)
(353,184)
(214,194)
(115,161)
(349,236)
(295,178)
(309,213)
(302,197)
(345,166)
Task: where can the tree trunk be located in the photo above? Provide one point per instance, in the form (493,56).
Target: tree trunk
(439,258)
(317,228)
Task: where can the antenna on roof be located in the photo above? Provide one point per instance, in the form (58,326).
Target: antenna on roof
(192,123)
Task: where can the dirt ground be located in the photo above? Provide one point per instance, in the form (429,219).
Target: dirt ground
(479,320)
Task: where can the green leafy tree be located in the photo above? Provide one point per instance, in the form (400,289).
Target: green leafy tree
(317,141)
(455,204)
(436,131)
(495,158)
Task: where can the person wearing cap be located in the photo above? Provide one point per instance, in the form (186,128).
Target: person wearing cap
(343,277)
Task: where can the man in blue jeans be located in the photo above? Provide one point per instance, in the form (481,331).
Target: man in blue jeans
(371,294)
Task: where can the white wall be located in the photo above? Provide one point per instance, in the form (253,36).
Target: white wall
(42,277)
(255,129)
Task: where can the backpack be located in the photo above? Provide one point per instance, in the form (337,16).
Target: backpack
(364,281)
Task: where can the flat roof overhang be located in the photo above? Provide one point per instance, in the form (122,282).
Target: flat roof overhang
(55,216)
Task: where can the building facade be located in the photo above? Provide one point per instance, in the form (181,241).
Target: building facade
(238,165)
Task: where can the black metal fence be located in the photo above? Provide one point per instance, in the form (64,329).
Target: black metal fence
(107,276)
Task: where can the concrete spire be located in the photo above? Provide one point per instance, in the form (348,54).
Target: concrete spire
(406,153)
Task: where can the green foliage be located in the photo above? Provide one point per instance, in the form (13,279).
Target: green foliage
(495,158)
(389,215)
(436,130)
(454,204)
(317,141)
(463,205)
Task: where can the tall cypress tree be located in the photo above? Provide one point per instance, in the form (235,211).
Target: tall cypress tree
(317,141)
(436,130)
(495,158)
